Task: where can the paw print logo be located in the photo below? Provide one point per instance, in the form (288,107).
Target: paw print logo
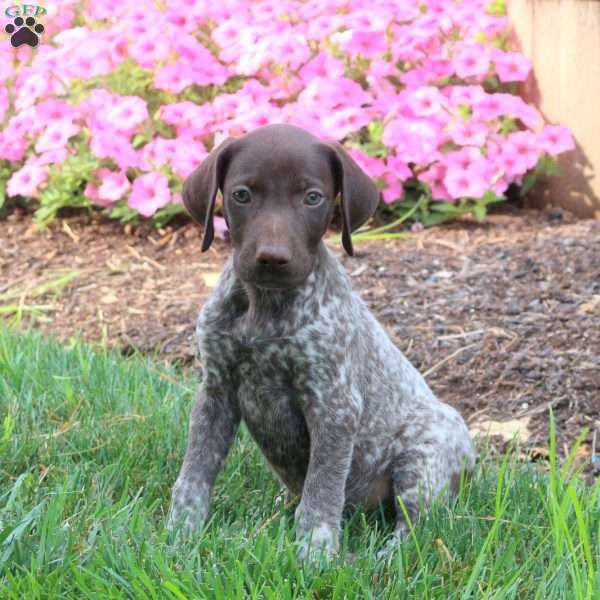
(24,32)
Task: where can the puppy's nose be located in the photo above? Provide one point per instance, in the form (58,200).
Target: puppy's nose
(273,255)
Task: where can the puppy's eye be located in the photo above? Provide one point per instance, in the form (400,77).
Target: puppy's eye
(313,198)
(241,196)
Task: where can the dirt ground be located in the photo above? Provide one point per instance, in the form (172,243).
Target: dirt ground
(503,318)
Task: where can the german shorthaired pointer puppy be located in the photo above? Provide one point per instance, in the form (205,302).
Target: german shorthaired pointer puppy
(340,414)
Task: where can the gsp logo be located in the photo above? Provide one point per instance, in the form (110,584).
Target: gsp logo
(24,31)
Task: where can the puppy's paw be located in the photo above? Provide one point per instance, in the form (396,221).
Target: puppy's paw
(400,534)
(318,545)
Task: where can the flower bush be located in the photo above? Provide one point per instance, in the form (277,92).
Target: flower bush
(120,101)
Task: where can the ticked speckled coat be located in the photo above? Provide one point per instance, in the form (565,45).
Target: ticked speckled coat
(339,413)
(317,354)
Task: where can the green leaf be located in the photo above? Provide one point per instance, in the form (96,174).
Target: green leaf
(479,211)
(123,212)
(434,219)
(465,111)
(528,182)
(490,197)
(139,140)
(445,207)
(375,129)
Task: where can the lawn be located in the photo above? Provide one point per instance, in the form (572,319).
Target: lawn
(90,444)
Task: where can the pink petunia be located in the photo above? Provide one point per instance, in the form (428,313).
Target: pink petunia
(12,147)
(171,79)
(26,181)
(149,193)
(150,48)
(469,133)
(426,101)
(471,61)
(113,186)
(56,156)
(4,102)
(398,168)
(413,140)
(434,176)
(555,139)
(465,183)
(127,114)
(511,66)
(394,189)
(188,153)
(56,136)
(106,143)
(523,145)
(322,65)
(373,167)
(344,121)
(365,43)
(220,227)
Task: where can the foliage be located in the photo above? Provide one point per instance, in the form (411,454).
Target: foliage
(122,100)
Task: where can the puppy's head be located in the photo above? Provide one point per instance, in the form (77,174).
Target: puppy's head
(279,185)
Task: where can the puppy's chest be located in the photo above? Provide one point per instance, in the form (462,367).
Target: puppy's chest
(270,376)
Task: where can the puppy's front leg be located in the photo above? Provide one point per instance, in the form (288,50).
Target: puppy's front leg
(319,514)
(213,424)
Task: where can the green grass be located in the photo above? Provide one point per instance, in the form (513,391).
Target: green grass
(90,444)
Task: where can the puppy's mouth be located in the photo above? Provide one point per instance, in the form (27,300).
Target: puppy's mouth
(273,283)
(274,279)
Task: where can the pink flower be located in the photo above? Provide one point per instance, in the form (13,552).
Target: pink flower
(471,61)
(56,136)
(171,79)
(113,186)
(555,139)
(110,144)
(150,48)
(394,189)
(465,159)
(53,109)
(414,141)
(52,157)
(4,102)
(469,133)
(220,226)
(426,101)
(26,181)
(344,121)
(373,167)
(322,65)
(12,147)
(149,193)
(464,183)
(398,168)
(188,152)
(523,145)
(365,43)
(511,66)
(434,176)
(127,114)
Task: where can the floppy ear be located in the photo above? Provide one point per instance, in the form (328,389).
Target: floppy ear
(359,195)
(200,189)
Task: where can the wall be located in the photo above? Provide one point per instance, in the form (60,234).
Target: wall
(562,38)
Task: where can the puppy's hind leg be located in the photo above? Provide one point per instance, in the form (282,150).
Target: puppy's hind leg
(418,478)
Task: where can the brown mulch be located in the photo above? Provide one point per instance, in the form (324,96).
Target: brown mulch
(502,317)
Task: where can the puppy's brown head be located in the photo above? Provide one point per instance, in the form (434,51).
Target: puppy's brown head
(279,185)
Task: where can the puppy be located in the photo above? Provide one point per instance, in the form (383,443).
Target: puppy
(339,413)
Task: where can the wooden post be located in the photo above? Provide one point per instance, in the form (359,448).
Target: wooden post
(562,39)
